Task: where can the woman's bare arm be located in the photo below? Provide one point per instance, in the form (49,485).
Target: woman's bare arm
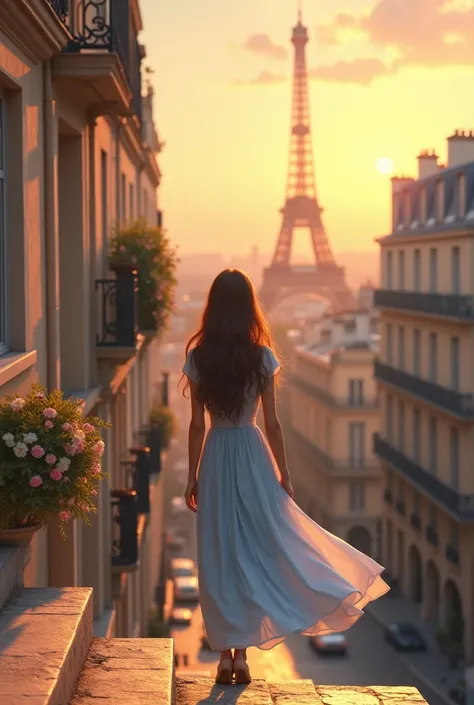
(273,429)
(197,431)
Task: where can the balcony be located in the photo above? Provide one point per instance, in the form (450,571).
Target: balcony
(432,536)
(452,554)
(124,531)
(101,66)
(448,400)
(459,506)
(141,477)
(117,316)
(343,403)
(460,306)
(349,468)
(415,521)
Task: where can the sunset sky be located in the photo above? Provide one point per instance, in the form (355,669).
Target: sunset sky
(388,78)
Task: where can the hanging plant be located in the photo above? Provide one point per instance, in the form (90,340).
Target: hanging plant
(163,420)
(149,250)
(50,460)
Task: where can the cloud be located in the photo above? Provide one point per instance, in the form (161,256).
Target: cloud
(262,45)
(429,33)
(264,78)
(362,71)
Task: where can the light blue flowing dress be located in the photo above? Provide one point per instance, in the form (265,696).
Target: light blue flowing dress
(266,570)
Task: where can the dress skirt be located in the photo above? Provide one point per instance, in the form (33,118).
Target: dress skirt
(266,570)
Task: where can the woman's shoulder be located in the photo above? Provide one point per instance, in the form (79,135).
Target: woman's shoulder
(270,362)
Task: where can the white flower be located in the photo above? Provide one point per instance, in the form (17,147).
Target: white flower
(30,437)
(63,464)
(9,439)
(17,404)
(20,450)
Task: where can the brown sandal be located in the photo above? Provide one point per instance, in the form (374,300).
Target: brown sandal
(224,672)
(242,671)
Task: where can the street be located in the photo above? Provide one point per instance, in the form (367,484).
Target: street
(370,661)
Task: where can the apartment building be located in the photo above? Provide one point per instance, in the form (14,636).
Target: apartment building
(426,383)
(77,156)
(333,415)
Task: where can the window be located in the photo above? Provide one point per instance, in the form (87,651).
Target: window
(104,215)
(454,534)
(454,458)
(433,270)
(356,392)
(401,347)
(416,270)
(407,207)
(356,444)
(357,496)
(455,363)
(389,269)
(433,369)
(123,203)
(401,270)
(131,198)
(433,448)
(423,205)
(455,270)
(390,417)
(389,343)
(433,517)
(416,502)
(417,436)
(461,196)
(3,244)
(417,352)
(440,201)
(401,426)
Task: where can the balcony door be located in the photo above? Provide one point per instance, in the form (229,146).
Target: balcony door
(356,444)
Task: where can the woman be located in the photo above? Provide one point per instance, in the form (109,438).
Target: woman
(266,570)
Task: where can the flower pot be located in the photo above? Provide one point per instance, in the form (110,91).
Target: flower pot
(20,537)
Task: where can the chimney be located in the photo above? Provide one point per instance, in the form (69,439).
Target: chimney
(427,163)
(460,148)
(399,183)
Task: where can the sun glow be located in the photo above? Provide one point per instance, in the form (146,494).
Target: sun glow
(385,165)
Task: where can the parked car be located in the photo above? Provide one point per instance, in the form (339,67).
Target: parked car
(405,637)
(180,615)
(330,643)
(182,568)
(186,589)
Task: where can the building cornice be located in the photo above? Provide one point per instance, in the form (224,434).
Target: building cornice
(34,27)
(424,236)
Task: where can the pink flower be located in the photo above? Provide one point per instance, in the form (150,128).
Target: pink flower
(48,424)
(39,395)
(50,413)
(94,493)
(37,451)
(79,446)
(66,427)
(50,458)
(17,404)
(70,448)
(95,469)
(65,515)
(35,481)
(98,449)
(88,428)
(56,475)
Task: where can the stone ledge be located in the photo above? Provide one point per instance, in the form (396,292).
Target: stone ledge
(203,691)
(44,637)
(11,572)
(127,672)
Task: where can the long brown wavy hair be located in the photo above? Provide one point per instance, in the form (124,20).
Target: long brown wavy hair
(228,347)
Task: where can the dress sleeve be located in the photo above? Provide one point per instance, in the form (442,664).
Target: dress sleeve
(270,363)
(189,367)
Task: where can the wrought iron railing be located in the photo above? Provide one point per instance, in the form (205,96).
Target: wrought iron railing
(448,399)
(452,305)
(105,25)
(461,506)
(124,527)
(141,477)
(117,324)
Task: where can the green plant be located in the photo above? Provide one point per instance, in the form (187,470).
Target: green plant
(156,628)
(50,459)
(148,249)
(163,419)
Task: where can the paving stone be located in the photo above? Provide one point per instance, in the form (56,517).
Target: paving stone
(369,695)
(191,691)
(296,692)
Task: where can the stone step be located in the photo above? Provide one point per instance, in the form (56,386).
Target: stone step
(203,691)
(45,634)
(11,572)
(127,672)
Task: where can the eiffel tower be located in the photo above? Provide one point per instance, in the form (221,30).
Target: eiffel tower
(302,210)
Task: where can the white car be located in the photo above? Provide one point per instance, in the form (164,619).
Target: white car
(186,589)
(335,643)
(182,568)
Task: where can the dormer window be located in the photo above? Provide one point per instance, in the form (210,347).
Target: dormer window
(461,195)
(407,208)
(423,205)
(440,201)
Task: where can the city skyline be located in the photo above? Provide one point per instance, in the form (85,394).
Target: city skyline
(232,74)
